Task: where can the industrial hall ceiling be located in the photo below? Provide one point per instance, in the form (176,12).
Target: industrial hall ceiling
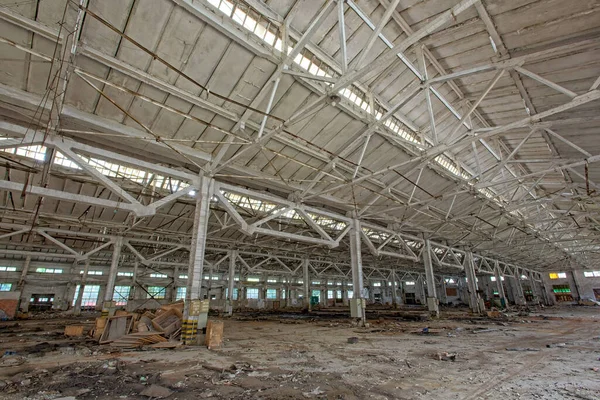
(470,126)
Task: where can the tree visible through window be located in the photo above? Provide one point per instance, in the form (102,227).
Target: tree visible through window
(271,294)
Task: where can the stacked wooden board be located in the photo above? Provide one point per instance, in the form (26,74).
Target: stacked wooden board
(130,330)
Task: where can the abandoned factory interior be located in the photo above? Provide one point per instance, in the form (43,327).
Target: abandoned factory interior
(300,199)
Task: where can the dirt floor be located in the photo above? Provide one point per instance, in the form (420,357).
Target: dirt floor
(547,354)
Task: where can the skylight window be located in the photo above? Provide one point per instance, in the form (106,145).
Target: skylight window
(106,168)
(36,152)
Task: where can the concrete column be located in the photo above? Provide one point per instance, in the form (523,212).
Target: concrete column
(518,293)
(68,296)
(579,291)
(534,292)
(443,295)
(472,283)
(174,285)
(541,292)
(209,281)
(240,288)
(419,290)
(24,300)
(189,330)
(306,284)
(288,293)
(432,299)
(134,286)
(357,272)
(112,275)
(77,306)
(292,296)
(499,286)
(24,273)
(394,293)
(231,281)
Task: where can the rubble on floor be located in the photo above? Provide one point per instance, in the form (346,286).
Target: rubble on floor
(314,358)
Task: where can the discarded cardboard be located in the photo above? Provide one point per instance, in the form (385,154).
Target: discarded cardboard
(214,334)
(74,330)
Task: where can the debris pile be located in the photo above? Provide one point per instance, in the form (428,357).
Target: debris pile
(161,328)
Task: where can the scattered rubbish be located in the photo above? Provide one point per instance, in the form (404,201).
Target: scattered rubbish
(168,322)
(446,356)
(595,369)
(553,345)
(428,331)
(160,328)
(353,340)
(521,349)
(258,374)
(495,314)
(315,392)
(156,391)
(116,327)
(451,335)
(166,345)
(484,330)
(74,330)
(589,302)
(139,339)
(408,364)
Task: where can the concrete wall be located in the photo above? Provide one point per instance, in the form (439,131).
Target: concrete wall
(585,285)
